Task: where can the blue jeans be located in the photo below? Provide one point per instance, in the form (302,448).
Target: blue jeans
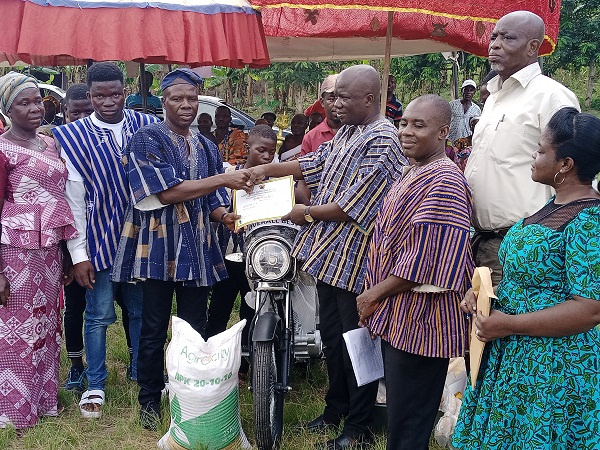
(99,314)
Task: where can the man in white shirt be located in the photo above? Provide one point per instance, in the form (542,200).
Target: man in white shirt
(521,103)
(97,191)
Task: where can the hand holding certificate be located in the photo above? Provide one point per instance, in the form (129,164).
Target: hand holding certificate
(271,199)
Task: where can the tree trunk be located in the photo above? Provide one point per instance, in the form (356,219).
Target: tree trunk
(590,85)
(266,92)
(277,95)
(299,97)
(249,100)
(282,96)
(238,92)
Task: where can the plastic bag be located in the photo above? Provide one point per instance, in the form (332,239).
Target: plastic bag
(454,387)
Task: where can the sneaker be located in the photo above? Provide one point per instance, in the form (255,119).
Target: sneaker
(76,379)
(150,415)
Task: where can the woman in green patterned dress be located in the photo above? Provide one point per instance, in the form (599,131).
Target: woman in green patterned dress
(539,383)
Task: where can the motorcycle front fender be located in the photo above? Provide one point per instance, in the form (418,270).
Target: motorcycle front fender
(265,327)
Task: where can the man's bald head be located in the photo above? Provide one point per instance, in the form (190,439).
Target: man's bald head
(358,91)
(362,78)
(515,42)
(436,107)
(424,128)
(531,24)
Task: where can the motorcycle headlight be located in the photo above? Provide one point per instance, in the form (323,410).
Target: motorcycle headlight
(271,260)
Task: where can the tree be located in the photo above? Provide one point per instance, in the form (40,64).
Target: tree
(578,45)
(424,74)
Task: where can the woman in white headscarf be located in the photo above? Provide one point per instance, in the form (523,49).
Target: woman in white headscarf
(35,218)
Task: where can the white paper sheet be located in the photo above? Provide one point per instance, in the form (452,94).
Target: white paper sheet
(365,354)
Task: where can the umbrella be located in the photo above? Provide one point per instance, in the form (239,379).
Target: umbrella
(356,29)
(374,29)
(193,32)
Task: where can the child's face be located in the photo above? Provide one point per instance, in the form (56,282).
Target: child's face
(77,109)
(261,151)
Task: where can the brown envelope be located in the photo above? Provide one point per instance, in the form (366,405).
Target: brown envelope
(483,290)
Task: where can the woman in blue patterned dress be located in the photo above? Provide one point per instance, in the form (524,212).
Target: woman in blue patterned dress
(539,383)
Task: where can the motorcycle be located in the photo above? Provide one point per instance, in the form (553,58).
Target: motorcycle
(285,325)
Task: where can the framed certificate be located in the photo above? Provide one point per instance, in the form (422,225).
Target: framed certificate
(269,200)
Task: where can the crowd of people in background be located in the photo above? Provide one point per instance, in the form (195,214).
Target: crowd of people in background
(395,211)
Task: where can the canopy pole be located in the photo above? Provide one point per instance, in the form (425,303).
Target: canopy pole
(386,61)
(143,88)
(455,91)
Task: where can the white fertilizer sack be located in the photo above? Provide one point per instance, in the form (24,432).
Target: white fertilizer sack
(203,390)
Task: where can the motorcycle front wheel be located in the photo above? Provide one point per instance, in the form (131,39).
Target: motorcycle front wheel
(268,401)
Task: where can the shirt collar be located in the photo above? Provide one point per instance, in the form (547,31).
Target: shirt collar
(523,77)
(324,128)
(101,124)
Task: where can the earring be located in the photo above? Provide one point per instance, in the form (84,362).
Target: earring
(563,179)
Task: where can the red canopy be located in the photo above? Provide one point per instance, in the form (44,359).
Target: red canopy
(194,32)
(464,25)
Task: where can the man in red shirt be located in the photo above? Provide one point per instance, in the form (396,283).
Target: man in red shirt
(326,130)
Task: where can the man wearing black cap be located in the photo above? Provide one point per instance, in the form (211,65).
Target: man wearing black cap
(270,117)
(177,183)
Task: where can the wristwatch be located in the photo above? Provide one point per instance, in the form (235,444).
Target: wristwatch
(307,216)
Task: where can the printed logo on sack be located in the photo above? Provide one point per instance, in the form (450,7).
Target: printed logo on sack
(192,358)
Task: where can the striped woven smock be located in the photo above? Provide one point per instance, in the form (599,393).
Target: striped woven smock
(422,235)
(354,170)
(99,159)
(175,242)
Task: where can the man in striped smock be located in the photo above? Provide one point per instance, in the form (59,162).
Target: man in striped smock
(348,178)
(168,242)
(419,269)
(97,192)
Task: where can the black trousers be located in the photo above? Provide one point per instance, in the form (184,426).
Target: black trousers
(156,312)
(125,318)
(338,314)
(223,297)
(73,321)
(414,386)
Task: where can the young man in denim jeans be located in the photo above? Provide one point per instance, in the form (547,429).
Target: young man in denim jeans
(98,193)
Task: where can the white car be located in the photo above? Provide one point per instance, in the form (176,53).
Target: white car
(209,104)
(239,119)
(54,91)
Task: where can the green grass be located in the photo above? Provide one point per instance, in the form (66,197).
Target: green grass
(119,427)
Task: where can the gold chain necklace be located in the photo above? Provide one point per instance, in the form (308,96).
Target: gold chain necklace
(38,144)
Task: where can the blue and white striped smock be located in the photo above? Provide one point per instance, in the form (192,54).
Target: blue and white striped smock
(170,242)
(95,153)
